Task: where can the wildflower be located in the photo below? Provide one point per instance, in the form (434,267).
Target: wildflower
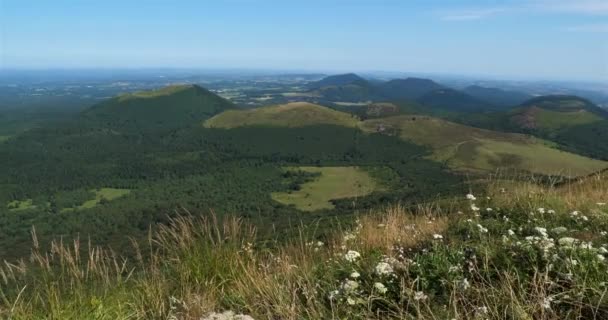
(511,232)
(584,218)
(333,294)
(567,241)
(601,204)
(604,233)
(482,310)
(471,197)
(574,213)
(464,284)
(350,285)
(352,256)
(320,244)
(349,237)
(542,231)
(572,262)
(351,301)
(541,210)
(437,237)
(419,295)
(489,209)
(380,287)
(474,208)
(547,303)
(383,268)
(551,211)
(603,250)
(601,257)
(355,275)
(482,229)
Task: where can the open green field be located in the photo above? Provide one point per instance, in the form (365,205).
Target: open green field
(298,114)
(18,205)
(554,120)
(108,194)
(333,183)
(467,148)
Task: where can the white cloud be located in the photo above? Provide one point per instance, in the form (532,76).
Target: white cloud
(577,7)
(598,27)
(591,7)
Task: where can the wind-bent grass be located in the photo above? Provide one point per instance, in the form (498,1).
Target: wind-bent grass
(518,252)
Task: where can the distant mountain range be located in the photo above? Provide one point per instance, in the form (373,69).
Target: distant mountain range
(353,88)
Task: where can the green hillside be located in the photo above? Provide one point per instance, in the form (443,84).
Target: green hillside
(549,120)
(453,100)
(497,97)
(407,89)
(168,107)
(467,148)
(337,80)
(297,114)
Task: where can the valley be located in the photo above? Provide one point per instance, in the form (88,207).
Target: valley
(330,149)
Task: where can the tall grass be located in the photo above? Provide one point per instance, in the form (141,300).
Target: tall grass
(435,262)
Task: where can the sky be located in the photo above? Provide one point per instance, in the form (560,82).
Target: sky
(527,39)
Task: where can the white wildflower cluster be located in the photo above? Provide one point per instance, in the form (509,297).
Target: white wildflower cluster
(578,216)
(541,240)
(352,256)
(420,296)
(247,248)
(383,269)
(482,229)
(316,245)
(380,287)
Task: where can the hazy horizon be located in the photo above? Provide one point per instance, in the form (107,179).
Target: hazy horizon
(516,39)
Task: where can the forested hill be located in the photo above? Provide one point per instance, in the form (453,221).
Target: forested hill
(168,107)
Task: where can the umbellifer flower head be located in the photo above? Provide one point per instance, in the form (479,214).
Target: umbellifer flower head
(380,287)
(352,256)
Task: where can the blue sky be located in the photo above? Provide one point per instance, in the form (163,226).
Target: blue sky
(551,39)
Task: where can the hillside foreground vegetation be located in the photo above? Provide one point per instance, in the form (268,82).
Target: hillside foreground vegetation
(514,250)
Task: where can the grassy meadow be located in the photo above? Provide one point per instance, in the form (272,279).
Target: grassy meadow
(332,183)
(18,205)
(467,148)
(516,250)
(297,114)
(101,195)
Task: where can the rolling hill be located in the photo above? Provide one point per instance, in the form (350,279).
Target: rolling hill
(497,97)
(337,80)
(168,107)
(467,148)
(297,114)
(453,101)
(407,89)
(462,148)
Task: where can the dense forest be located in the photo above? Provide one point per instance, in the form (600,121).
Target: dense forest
(196,169)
